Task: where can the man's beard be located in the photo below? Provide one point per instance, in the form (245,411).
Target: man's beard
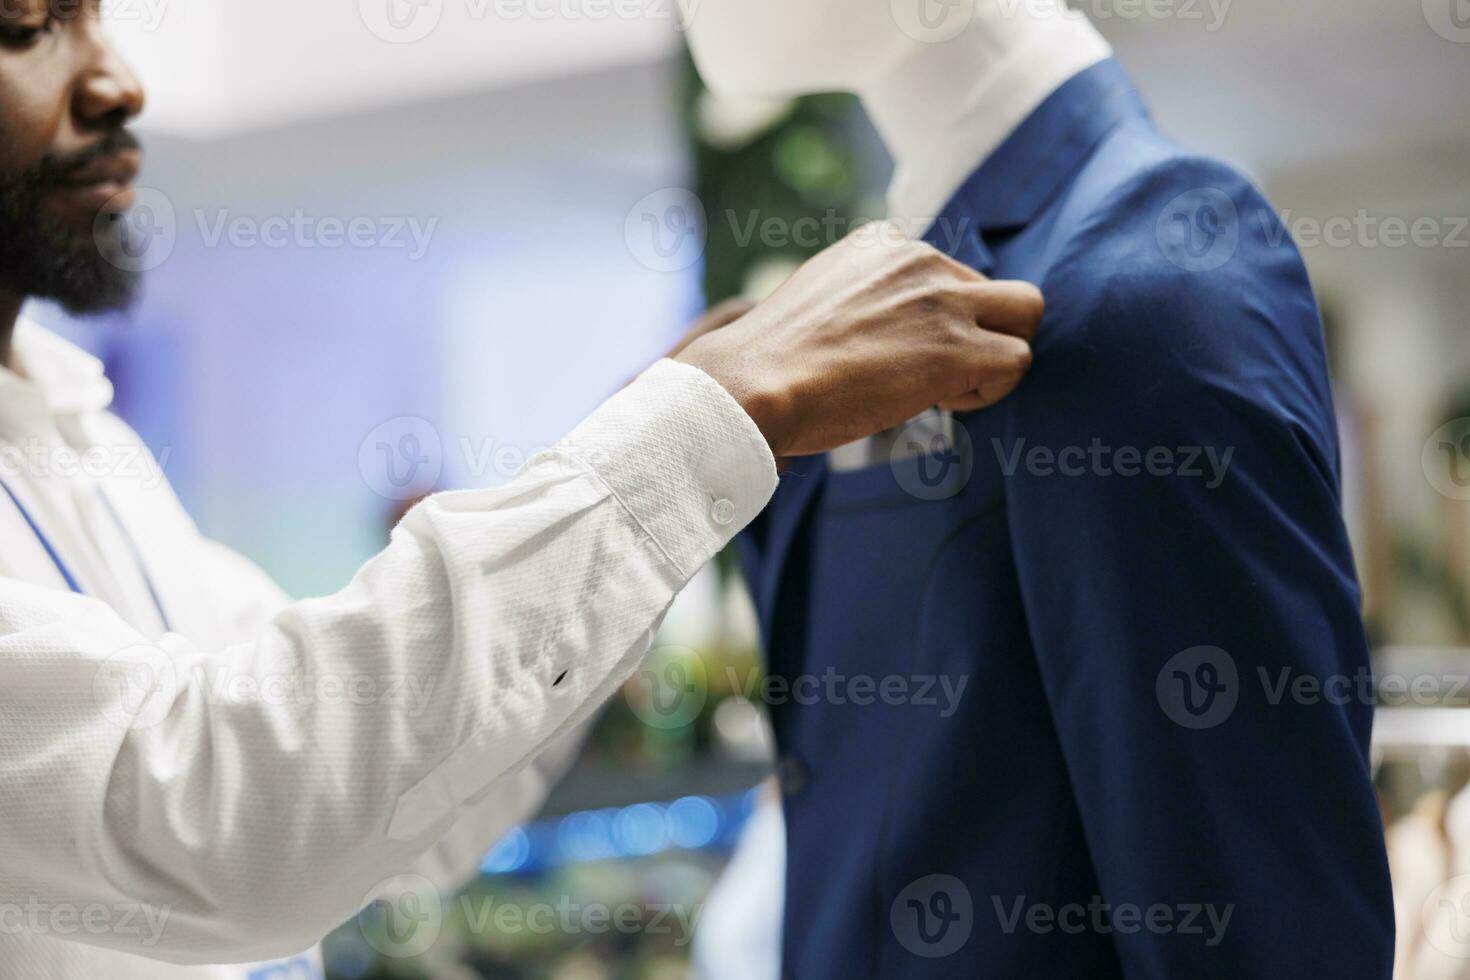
(41,257)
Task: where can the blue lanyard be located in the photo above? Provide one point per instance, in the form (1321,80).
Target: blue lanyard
(71,580)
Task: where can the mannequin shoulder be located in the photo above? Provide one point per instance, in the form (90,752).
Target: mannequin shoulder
(1174,287)
(1179,256)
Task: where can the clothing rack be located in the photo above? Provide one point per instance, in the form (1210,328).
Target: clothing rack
(1399,729)
(1417,727)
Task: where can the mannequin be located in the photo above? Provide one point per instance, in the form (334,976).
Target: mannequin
(940,107)
(1109,614)
(942,93)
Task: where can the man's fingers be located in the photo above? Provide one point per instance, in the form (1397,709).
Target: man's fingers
(1013,308)
(996,364)
(971,402)
(965,272)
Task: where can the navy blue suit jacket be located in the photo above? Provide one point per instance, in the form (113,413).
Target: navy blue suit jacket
(1131,574)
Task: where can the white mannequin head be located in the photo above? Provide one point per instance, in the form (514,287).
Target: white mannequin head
(789,47)
(796,47)
(943,81)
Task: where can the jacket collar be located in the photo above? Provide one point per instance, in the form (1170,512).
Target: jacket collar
(1015,182)
(1008,190)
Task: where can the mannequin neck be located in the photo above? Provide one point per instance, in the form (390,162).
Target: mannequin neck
(946,107)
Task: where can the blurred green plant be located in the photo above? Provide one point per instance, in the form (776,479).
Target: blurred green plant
(772,164)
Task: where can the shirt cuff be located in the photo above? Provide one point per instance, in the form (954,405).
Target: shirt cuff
(683,457)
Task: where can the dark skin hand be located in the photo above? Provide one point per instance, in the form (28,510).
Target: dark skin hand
(870,333)
(719,315)
(63,89)
(725,313)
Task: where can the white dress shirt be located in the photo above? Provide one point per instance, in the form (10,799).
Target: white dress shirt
(248,781)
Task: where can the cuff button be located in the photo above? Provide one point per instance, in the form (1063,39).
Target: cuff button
(723,512)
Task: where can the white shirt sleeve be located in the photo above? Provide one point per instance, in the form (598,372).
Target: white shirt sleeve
(258,796)
(245,599)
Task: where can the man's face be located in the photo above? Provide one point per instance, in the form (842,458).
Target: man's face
(66,161)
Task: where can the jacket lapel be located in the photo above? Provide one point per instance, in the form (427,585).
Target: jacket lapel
(800,485)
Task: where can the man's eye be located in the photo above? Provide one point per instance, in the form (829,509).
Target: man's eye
(22,36)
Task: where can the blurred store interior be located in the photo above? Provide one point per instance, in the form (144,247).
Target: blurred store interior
(520,149)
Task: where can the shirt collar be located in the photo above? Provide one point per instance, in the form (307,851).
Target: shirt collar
(52,373)
(1026,171)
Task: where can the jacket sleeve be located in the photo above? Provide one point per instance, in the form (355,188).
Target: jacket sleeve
(255,797)
(1190,592)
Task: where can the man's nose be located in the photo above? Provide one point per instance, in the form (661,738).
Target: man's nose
(109,92)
